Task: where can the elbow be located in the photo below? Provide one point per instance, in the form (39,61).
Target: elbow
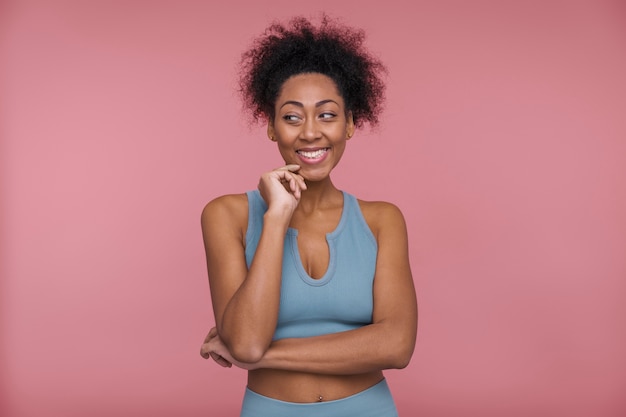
(401,352)
(247,353)
(401,360)
(245,347)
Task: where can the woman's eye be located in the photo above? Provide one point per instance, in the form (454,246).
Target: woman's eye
(291,118)
(327,115)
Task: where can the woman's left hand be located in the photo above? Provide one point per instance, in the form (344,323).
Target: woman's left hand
(214,348)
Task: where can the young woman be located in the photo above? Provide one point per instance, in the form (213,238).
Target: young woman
(311,288)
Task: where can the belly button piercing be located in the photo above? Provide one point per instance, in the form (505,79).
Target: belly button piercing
(319,400)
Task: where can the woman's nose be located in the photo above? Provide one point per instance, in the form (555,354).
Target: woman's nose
(310,129)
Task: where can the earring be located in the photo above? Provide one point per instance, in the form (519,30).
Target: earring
(272,138)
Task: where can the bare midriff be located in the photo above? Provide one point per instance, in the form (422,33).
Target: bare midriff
(299,387)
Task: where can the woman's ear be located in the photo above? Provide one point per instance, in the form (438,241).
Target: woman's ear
(270,130)
(350,125)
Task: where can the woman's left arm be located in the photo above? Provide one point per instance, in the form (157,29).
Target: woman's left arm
(386,343)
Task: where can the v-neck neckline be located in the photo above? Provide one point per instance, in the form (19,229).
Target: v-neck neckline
(292,235)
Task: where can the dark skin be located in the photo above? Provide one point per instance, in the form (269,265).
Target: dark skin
(311,127)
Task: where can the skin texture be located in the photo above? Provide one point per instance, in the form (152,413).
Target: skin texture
(310,116)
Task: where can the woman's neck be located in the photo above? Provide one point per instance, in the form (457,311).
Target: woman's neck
(319,195)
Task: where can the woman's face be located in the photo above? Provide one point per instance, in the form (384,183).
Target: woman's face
(310,124)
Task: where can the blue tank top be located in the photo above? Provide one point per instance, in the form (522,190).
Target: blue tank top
(340,300)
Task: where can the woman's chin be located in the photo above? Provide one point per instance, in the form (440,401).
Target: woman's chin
(314,177)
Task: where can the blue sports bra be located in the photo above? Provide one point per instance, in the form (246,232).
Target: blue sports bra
(340,300)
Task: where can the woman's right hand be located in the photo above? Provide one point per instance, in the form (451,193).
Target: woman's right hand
(281,189)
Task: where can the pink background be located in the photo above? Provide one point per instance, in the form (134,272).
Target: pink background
(503,141)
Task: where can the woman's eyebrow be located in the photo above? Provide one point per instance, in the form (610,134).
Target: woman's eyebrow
(318,104)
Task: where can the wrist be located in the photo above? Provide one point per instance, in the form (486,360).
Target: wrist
(277,218)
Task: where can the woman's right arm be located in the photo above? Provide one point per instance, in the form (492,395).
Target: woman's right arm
(245,301)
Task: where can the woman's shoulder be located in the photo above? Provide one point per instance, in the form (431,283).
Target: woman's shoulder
(380,215)
(378,208)
(226,208)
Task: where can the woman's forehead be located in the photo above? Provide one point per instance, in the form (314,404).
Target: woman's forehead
(309,87)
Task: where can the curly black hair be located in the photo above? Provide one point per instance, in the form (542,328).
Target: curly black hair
(332,49)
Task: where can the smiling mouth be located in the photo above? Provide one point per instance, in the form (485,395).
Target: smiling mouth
(312,154)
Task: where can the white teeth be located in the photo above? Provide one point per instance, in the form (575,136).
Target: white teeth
(313,154)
